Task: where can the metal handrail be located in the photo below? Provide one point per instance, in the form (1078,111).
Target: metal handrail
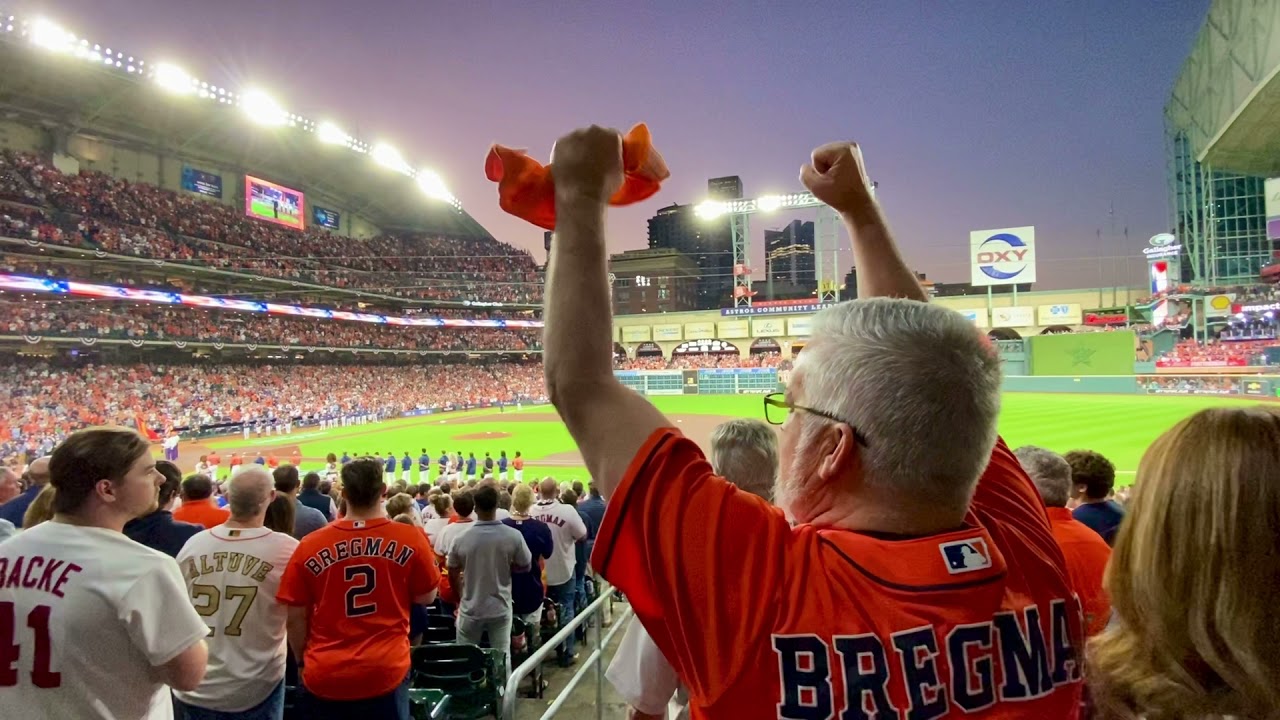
(510,696)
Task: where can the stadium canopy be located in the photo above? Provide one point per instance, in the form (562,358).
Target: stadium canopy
(49,89)
(1227,96)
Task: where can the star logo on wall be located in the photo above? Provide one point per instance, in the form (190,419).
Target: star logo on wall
(1082,355)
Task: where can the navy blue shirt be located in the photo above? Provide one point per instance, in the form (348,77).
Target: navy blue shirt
(592,512)
(526,587)
(424,462)
(159,531)
(259,460)
(443,461)
(17,507)
(391,463)
(406,462)
(471,466)
(345,458)
(502,464)
(1103,518)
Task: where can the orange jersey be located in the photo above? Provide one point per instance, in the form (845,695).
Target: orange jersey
(213,459)
(1087,555)
(358,578)
(518,463)
(760,618)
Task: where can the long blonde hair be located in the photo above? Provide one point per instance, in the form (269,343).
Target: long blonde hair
(1195,575)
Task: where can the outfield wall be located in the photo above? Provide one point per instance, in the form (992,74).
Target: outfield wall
(751,381)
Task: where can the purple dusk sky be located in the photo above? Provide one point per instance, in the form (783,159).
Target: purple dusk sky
(972,115)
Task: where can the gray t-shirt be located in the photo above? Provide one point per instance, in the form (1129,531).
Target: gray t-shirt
(486,555)
(306,520)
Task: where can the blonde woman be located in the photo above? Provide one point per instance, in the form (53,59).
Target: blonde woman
(40,510)
(1195,576)
(403,504)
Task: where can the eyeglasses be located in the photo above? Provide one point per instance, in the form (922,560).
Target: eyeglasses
(777,408)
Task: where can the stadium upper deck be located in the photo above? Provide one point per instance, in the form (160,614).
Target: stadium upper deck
(145,150)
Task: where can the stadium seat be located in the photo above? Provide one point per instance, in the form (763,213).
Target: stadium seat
(471,677)
(440,629)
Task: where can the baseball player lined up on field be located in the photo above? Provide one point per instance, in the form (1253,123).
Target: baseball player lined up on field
(910,515)
(232,573)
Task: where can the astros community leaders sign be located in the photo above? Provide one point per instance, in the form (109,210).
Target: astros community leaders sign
(1002,257)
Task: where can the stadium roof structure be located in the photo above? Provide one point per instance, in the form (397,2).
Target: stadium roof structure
(70,85)
(1227,96)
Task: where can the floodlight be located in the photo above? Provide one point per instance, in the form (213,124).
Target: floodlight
(389,157)
(262,109)
(768,203)
(174,79)
(709,209)
(433,185)
(50,36)
(329,133)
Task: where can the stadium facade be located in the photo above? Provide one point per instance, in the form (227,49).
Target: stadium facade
(1223,143)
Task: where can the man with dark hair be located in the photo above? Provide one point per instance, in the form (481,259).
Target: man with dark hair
(349,587)
(38,474)
(424,467)
(480,566)
(306,519)
(464,505)
(1095,477)
(198,505)
(158,530)
(82,598)
(312,497)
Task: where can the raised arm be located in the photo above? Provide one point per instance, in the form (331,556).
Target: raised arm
(837,177)
(608,421)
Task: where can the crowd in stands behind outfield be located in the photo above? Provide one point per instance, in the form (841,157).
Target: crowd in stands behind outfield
(140,321)
(130,218)
(41,403)
(1194,354)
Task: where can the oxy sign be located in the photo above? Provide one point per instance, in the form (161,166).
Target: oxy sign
(1002,257)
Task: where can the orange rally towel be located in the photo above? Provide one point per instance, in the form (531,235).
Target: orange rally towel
(527,190)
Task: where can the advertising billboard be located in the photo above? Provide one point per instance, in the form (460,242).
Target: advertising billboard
(1063,314)
(666,332)
(325,217)
(635,333)
(768,327)
(265,200)
(977,316)
(1002,257)
(201,182)
(1014,316)
(731,329)
(699,331)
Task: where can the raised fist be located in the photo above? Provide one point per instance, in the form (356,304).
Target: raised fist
(588,163)
(836,176)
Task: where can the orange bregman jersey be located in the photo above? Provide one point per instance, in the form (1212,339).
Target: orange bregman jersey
(761,619)
(359,578)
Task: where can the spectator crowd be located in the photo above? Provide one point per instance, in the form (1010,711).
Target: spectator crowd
(101,212)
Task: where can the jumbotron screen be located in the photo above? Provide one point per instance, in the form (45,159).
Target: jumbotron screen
(274,203)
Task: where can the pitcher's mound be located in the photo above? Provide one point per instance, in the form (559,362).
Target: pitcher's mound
(492,435)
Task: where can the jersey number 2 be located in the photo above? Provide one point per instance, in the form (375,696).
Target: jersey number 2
(362,576)
(42,675)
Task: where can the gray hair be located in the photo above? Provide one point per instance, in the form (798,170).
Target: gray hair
(745,452)
(1049,471)
(918,381)
(250,492)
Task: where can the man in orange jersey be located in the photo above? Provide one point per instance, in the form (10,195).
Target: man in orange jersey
(349,586)
(921,578)
(1085,551)
(198,505)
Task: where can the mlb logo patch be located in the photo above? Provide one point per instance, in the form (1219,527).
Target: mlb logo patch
(964,556)
(358,524)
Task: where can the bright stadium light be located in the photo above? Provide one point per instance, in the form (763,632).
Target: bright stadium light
(389,157)
(768,203)
(709,209)
(262,109)
(50,35)
(174,79)
(433,185)
(331,134)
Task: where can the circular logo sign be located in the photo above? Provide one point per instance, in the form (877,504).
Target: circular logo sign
(1002,256)
(1161,240)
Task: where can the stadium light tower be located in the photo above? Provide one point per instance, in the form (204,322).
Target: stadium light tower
(49,35)
(825,247)
(262,108)
(331,134)
(433,185)
(389,157)
(171,78)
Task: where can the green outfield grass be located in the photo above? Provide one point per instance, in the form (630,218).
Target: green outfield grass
(1118,426)
(264,209)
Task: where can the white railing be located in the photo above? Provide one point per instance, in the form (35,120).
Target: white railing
(596,658)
